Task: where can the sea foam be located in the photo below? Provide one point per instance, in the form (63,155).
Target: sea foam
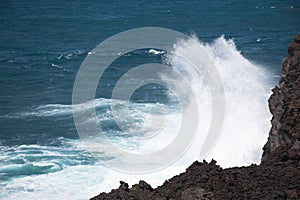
(241,139)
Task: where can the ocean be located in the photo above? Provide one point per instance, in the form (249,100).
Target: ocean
(44,43)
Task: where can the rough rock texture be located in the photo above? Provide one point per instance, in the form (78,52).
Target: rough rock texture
(278,177)
(279,180)
(284,105)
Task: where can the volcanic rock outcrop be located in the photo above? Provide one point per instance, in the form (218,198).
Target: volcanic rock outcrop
(277,177)
(284,104)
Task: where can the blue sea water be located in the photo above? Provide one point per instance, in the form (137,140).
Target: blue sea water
(43,43)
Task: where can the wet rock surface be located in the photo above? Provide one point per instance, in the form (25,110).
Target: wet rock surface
(277,177)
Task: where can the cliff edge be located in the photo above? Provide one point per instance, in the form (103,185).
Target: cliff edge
(284,104)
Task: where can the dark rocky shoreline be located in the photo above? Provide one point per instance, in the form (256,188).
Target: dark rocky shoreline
(277,177)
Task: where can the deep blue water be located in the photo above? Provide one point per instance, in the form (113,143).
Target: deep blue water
(43,43)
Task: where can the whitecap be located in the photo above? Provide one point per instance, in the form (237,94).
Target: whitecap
(156,52)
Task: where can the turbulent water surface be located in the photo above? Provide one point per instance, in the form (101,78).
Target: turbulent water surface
(43,43)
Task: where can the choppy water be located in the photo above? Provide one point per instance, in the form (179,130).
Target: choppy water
(43,43)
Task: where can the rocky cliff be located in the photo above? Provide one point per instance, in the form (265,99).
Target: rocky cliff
(278,177)
(284,105)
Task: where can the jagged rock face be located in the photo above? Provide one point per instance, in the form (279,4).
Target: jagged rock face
(208,181)
(284,105)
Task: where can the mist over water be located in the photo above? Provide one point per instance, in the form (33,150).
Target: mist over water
(247,87)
